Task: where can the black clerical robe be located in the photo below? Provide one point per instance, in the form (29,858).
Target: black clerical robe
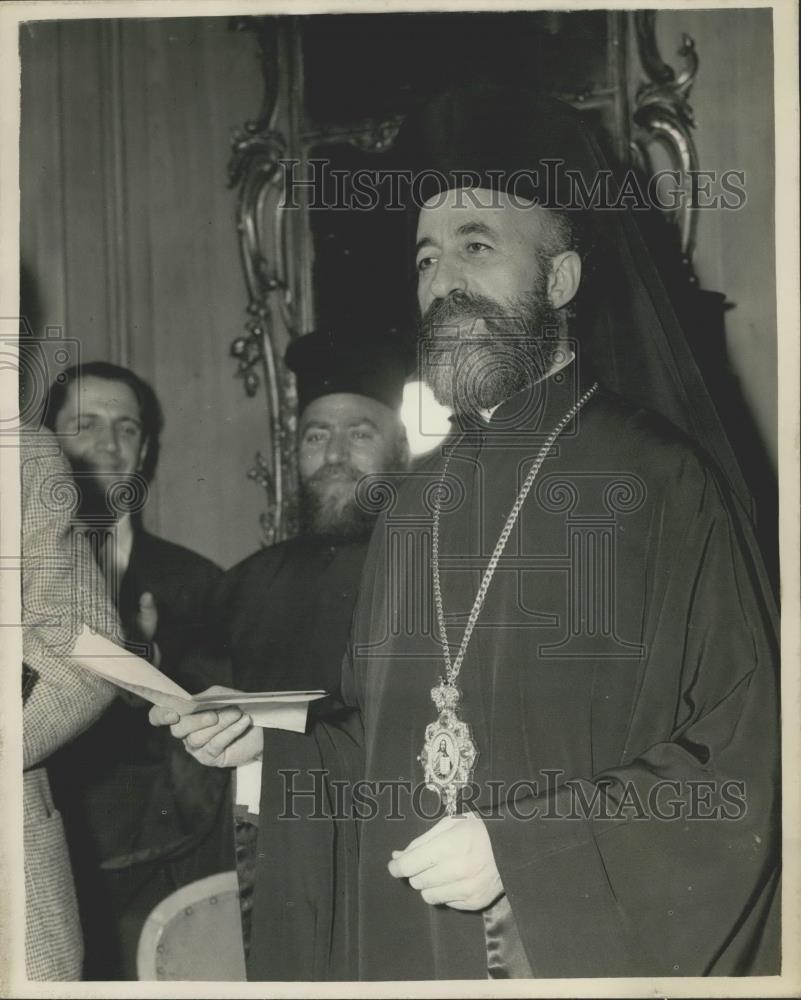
(285,613)
(282,617)
(626,650)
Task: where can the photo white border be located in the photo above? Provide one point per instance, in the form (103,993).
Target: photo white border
(785,38)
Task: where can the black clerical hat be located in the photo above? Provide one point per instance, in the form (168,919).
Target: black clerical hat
(502,139)
(367,362)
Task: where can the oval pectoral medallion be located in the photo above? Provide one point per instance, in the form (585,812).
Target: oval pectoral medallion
(448,753)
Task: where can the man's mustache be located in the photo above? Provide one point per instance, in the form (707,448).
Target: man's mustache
(104,470)
(334,470)
(465,306)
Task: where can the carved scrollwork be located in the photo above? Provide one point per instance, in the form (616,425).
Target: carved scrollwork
(370,136)
(663,114)
(255,170)
(659,72)
(279,303)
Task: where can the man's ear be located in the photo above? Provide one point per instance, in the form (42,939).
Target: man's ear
(564,279)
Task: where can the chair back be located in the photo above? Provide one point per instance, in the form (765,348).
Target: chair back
(195,934)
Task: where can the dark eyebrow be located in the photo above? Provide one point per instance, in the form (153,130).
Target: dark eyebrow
(117,420)
(477,229)
(468,229)
(323,425)
(86,412)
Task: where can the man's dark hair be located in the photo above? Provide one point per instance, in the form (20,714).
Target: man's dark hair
(150,412)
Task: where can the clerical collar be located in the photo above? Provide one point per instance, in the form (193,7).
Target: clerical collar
(557,366)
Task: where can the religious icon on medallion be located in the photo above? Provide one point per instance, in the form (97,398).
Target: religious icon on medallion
(448,753)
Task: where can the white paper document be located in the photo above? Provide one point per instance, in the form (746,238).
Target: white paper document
(247,788)
(269,709)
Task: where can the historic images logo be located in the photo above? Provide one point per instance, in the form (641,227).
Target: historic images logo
(314,794)
(554,185)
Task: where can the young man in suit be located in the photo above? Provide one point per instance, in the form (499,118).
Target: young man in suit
(142,820)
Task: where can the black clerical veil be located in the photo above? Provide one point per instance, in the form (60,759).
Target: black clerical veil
(540,149)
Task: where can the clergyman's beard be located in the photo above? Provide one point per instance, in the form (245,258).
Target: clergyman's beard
(324,512)
(479,366)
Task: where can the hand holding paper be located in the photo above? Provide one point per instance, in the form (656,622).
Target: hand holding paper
(224,738)
(270,709)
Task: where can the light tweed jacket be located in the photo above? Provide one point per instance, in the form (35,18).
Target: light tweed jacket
(61,588)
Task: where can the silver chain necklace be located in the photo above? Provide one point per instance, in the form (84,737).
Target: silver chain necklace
(449,753)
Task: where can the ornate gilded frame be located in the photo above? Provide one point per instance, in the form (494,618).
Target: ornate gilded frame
(276,245)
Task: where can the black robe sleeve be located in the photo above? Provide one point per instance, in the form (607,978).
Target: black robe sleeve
(304,923)
(674,870)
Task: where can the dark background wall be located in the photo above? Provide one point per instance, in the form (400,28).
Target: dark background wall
(128,233)
(733,103)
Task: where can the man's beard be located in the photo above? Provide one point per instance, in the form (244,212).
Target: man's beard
(474,371)
(104,496)
(334,513)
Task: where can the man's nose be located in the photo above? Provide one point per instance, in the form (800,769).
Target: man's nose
(336,449)
(107,439)
(448,279)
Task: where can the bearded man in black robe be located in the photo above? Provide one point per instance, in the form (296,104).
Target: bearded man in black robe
(567,594)
(281,617)
(283,614)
